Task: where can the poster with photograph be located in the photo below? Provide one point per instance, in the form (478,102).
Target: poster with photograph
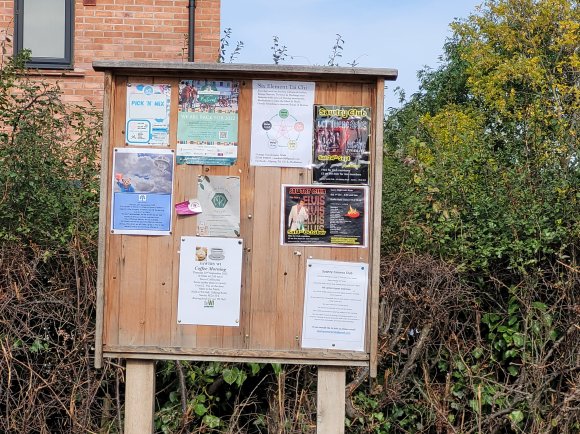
(207,122)
(335,305)
(147,114)
(210,281)
(219,198)
(341,144)
(324,215)
(142,188)
(282,123)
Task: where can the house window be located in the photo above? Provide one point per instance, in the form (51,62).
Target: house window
(45,27)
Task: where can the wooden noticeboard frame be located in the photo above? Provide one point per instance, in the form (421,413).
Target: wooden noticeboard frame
(138,275)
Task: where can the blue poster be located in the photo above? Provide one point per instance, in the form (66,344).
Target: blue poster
(147,121)
(142,191)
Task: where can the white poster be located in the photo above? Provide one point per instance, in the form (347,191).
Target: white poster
(282,123)
(210,280)
(147,119)
(219,199)
(335,305)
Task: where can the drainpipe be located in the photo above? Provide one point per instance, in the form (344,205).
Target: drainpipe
(191,37)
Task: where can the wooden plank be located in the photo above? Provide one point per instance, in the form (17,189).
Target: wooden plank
(160,256)
(247,180)
(134,253)
(246,70)
(377,216)
(368,100)
(114,243)
(234,337)
(289,306)
(330,409)
(133,283)
(185,188)
(289,277)
(158,290)
(266,242)
(312,355)
(238,359)
(103,200)
(139,396)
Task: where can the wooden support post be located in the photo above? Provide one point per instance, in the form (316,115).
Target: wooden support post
(139,396)
(330,400)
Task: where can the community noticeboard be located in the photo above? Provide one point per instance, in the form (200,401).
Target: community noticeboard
(243,251)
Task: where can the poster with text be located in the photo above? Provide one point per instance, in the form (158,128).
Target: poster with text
(219,198)
(210,279)
(147,119)
(319,215)
(341,144)
(207,122)
(335,304)
(142,191)
(282,123)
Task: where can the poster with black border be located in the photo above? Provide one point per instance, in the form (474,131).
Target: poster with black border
(318,215)
(142,186)
(341,144)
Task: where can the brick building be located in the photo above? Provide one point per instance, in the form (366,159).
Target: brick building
(70,34)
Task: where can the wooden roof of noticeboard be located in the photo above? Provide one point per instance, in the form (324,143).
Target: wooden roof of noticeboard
(254,71)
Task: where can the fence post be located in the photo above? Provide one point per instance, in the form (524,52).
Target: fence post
(139,396)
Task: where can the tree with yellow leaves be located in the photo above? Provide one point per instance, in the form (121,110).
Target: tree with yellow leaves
(482,173)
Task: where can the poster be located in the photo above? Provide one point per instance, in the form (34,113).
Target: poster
(282,123)
(324,215)
(207,122)
(210,279)
(142,188)
(341,144)
(335,304)
(219,199)
(147,118)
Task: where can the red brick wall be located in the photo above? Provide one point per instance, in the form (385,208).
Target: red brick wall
(129,30)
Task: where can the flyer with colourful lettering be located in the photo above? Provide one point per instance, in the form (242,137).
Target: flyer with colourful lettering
(320,215)
(341,144)
(207,122)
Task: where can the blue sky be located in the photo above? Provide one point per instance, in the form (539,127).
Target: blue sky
(401,34)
